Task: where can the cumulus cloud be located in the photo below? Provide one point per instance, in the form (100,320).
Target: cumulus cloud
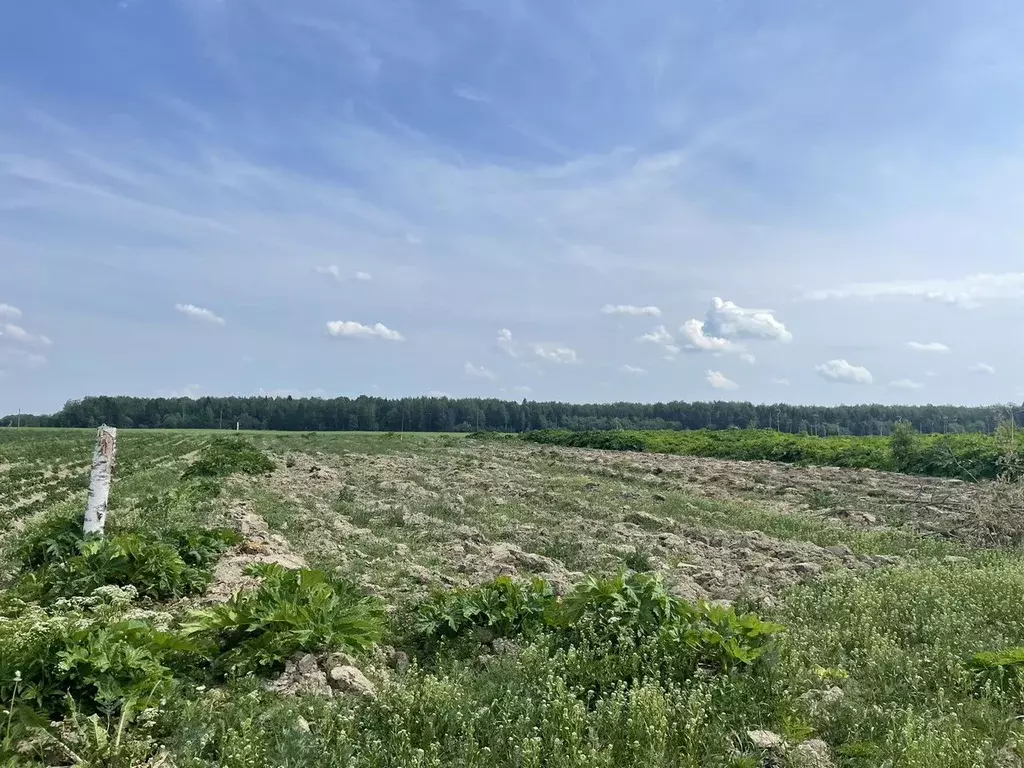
(332,270)
(906,384)
(6,310)
(506,344)
(199,313)
(629,309)
(634,369)
(554,353)
(364,276)
(718,380)
(843,372)
(969,291)
(725,319)
(659,335)
(698,341)
(746,357)
(928,346)
(352,330)
(478,371)
(984,368)
(15,333)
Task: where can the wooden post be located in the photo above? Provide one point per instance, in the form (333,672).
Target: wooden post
(99,484)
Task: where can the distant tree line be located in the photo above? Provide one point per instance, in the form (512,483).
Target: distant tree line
(442,414)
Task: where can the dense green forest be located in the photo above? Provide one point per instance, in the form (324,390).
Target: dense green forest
(441,414)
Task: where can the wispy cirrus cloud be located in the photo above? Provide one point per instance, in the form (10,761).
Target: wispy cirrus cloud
(928,346)
(906,384)
(478,371)
(349,329)
(630,309)
(469,195)
(634,370)
(200,313)
(983,368)
(969,291)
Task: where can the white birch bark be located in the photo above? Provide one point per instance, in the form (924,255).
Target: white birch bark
(99,484)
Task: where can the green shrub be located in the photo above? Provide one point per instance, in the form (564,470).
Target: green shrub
(227,455)
(90,648)
(963,456)
(291,611)
(158,569)
(53,538)
(601,617)
(1004,668)
(501,608)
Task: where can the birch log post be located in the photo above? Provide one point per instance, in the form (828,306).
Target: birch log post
(99,484)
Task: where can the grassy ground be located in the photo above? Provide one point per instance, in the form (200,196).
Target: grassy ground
(886,585)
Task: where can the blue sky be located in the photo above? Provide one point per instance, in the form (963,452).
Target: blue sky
(801,201)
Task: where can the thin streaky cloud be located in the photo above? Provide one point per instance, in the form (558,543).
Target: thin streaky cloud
(928,346)
(906,384)
(630,309)
(478,371)
(7,310)
(970,291)
(983,368)
(632,369)
(200,313)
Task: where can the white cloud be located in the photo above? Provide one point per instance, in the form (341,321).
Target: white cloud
(353,330)
(969,291)
(15,333)
(626,368)
(18,357)
(629,309)
(659,335)
(199,313)
(718,380)
(6,310)
(746,357)
(331,269)
(522,390)
(981,368)
(930,374)
(843,372)
(554,353)
(725,319)
(781,382)
(364,276)
(698,341)
(905,384)
(506,344)
(929,346)
(478,371)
